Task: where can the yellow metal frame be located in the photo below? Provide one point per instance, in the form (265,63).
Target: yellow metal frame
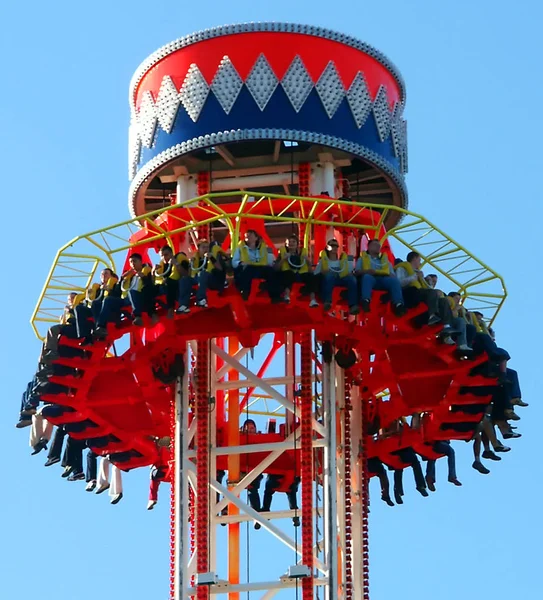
(76,263)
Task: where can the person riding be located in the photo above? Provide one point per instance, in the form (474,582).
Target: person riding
(293,265)
(378,274)
(167,275)
(137,291)
(207,271)
(65,326)
(416,289)
(336,269)
(95,296)
(459,321)
(252,260)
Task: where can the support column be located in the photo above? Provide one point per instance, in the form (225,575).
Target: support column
(306,459)
(186,188)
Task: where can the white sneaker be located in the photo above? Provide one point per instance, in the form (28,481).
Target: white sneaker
(202,303)
(449,341)
(313,304)
(465,348)
(183,310)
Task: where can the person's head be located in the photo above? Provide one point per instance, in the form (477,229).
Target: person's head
(71,298)
(332,245)
(203,247)
(415,259)
(105,275)
(136,261)
(166,253)
(374,247)
(249,426)
(431,280)
(292,242)
(478,315)
(252,238)
(456,296)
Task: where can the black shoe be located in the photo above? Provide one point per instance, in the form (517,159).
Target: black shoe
(258,526)
(431,484)
(67,472)
(398,497)
(490,455)
(423,491)
(51,461)
(478,466)
(116,499)
(77,476)
(399,309)
(455,481)
(41,445)
(366,306)
(511,435)
(502,448)
(23,423)
(296,521)
(386,498)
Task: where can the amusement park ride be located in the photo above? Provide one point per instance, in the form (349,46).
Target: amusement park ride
(282,129)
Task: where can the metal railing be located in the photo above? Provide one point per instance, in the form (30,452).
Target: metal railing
(77,262)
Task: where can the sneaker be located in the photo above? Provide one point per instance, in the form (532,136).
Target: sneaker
(501,448)
(327,306)
(490,455)
(296,521)
(138,321)
(202,303)
(366,306)
(116,499)
(431,484)
(423,491)
(398,497)
(91,486)
(151,504)
(511,414)
(313,304)
(454,481)
(76,476)
(511,435)
(465,348)
(183,310)
(67,472)
(354,310)
(434,319)
(23,423)
(258,526)
(51,461)
(519,402)
(387,499)
(100,332)
(102,488)
(448,340)
(478,466)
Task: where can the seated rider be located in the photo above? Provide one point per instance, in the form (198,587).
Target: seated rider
(137,291)
(459,321)
(66,326)
(96,294)
(336,271)
(416,289)
(252,260)
(167,275)
(207,271)
(378,274)
(292,265)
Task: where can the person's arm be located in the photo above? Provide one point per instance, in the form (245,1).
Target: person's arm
(405,279)
(360,271)
(236,260)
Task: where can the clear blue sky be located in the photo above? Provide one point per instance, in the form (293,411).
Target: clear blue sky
(474,109)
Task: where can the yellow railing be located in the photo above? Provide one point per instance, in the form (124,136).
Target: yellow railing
(76,264)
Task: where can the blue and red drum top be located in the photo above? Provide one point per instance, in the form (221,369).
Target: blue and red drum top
(267,81)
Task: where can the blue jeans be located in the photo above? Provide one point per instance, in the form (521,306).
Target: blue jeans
(446,449)
(187,283)
(460,325)
(484,343)
(111,307)
(331,281)
(383,284)
(512,375)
